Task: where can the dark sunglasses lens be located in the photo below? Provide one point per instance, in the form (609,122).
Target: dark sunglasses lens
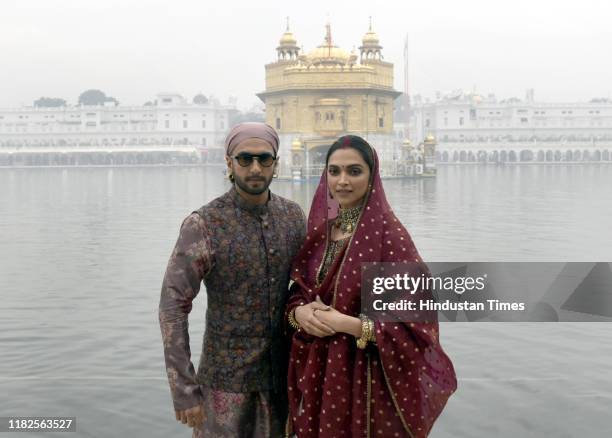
(266,160)
(244,159)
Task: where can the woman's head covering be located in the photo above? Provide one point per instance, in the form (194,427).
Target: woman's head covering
(246,130)
(324,209)
(419,376)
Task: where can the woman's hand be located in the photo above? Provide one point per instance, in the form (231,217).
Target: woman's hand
(305,317)
(339,321)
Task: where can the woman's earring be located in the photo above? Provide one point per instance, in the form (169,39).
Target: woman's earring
(275,175)
(231,176)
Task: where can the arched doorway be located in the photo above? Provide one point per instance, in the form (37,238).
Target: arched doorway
(316,159)
(526,155)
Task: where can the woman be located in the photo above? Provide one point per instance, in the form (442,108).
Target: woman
(348,375)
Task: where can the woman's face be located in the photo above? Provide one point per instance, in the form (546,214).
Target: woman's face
(348,176)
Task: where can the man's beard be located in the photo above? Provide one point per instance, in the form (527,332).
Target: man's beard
(243,184)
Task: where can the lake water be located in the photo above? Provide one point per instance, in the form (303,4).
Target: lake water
(83,252)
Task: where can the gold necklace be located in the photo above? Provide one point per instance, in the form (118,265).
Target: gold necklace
(347,219)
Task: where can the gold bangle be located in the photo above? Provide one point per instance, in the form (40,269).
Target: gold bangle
(292,321)
(372,331)
(362,342)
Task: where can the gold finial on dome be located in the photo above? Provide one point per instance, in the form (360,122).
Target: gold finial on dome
(407,144)
(288,39)
(430,138)
(288,49)
(327,53)
(370,38)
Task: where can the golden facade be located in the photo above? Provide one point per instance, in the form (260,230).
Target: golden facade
(313,98)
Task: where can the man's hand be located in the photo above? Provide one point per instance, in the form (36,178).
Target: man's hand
(192,416)
(305,317)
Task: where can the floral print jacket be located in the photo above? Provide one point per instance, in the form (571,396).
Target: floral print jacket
(243,253)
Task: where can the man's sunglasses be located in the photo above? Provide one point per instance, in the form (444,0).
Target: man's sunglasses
(245,159)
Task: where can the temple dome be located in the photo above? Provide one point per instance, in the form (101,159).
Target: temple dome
(370,38)
(325,54)
(288,39)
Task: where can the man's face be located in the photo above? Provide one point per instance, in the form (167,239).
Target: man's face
(254,178)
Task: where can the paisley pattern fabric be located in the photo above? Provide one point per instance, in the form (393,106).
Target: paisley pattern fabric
(235,414)
(242,252)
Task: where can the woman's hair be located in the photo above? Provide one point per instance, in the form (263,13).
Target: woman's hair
(355,142)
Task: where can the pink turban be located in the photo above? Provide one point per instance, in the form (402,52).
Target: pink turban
(243,131)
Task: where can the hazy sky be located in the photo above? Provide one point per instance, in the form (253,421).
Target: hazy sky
(134,49)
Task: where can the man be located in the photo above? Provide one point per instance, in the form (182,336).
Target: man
(241,245)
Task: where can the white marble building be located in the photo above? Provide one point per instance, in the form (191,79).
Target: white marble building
(471,127)
(171,121)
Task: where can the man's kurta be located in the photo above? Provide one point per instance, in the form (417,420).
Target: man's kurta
(243,253)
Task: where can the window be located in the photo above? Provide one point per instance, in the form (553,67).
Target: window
(185,124)
(278,124)
(460,121)
(203,123)
(381,122)
(427,123)
(203,141)
(167,124)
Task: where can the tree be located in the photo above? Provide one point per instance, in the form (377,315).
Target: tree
(95,97)
(49,102)
(200,99)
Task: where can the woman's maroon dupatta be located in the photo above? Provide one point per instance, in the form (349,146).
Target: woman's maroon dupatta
(397,387)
